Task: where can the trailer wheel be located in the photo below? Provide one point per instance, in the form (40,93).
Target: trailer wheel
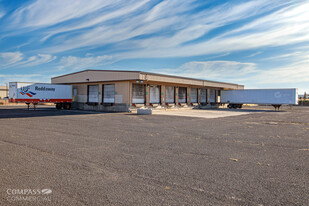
(58,106)
(230,106)
(67,106)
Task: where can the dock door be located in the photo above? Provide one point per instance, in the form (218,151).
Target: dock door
(212,96)
(193,94)
(182,95)
(203,99)
(170,94)
(108,93)
(155,91)
(93,93)
(138,91)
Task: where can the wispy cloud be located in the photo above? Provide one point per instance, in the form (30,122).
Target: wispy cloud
(169,24)
(293,75)
(75,63)
(2,13)
(17,59)
(254,54)
(125,9)
(154,30)
(213,70)
(10,58)
(37,60)
(42,13)
(24,78)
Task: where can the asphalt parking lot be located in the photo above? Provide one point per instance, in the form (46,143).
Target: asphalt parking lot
(90,158)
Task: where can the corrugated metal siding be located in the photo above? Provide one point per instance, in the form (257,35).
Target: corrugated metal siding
(96,76)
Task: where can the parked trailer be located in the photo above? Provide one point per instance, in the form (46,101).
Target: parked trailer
(34,93)
(274,97)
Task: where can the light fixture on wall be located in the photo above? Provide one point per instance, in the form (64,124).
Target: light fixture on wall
(137,81)
(87,80)
(142,81)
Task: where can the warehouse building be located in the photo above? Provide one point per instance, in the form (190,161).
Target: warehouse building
(112,90)
(4,92)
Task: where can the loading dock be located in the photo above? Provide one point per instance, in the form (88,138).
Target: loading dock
(108,90)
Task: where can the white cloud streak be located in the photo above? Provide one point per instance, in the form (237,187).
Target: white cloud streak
(17,59)
(213,70)
(254,54)
(170,24)
(2,13)
(75,63)
(24,78)
(165,16)
(168,28)
(144,29)
(294,75)
(46,13)
(10,58)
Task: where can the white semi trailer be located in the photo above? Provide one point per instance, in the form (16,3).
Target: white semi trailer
(34,93)
(275,97)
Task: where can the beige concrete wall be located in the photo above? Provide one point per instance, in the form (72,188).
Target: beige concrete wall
(163,95)
(3,92)
(176,95)
(147,95)
(121,89)
(81,92)
(189,95)
(130,92)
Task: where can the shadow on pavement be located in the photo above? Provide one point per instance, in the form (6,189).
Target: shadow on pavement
(243,110)
(22,112)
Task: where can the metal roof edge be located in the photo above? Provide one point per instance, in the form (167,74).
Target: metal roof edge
(150,73)
(100,70)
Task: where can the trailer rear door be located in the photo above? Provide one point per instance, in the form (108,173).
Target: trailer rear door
(154,91)
(108,93)
(138,94)
(182,95)
(13,90)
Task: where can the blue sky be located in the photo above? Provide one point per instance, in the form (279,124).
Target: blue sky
(261,44)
